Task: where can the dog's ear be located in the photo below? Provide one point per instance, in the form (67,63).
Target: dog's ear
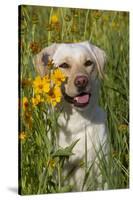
(41,59)
(99,56)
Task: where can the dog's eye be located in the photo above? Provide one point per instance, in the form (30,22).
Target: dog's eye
(88,63)
(64,65)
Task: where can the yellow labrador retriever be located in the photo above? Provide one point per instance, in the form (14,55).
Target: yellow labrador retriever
(82,119)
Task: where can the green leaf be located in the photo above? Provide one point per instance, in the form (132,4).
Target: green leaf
(65,152)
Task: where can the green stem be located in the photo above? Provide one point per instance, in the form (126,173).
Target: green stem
(49,33)
(33,32)
(59,177)
(86,22)
(85,151)
(62,33)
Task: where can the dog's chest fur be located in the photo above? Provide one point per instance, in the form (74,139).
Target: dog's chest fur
(90,126)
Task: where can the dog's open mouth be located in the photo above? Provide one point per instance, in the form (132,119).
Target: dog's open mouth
(80,100)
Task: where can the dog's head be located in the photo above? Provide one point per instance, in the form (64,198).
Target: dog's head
(82,63)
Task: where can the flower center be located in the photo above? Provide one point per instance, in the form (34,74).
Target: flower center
(26,104)
(40,86)
(51,94)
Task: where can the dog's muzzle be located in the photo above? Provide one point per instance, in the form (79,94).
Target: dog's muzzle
(80,100)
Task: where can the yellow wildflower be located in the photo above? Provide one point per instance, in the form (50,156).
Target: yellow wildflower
(25,103)
(36,100)
(54,95)
(41,85)
(38,84)
(58,77)
(46,84)
(54,19)
(22,135)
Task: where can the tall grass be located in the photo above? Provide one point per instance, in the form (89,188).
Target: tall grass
(41,161)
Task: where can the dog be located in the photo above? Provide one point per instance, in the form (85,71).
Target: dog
(82,119)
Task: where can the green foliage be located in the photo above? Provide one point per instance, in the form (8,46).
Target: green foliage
(41,160)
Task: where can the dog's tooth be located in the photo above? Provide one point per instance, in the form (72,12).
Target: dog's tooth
(76,98)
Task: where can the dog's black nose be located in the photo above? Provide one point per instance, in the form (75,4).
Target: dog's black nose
(81,81)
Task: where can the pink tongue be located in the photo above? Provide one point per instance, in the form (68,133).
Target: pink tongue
(82,99)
